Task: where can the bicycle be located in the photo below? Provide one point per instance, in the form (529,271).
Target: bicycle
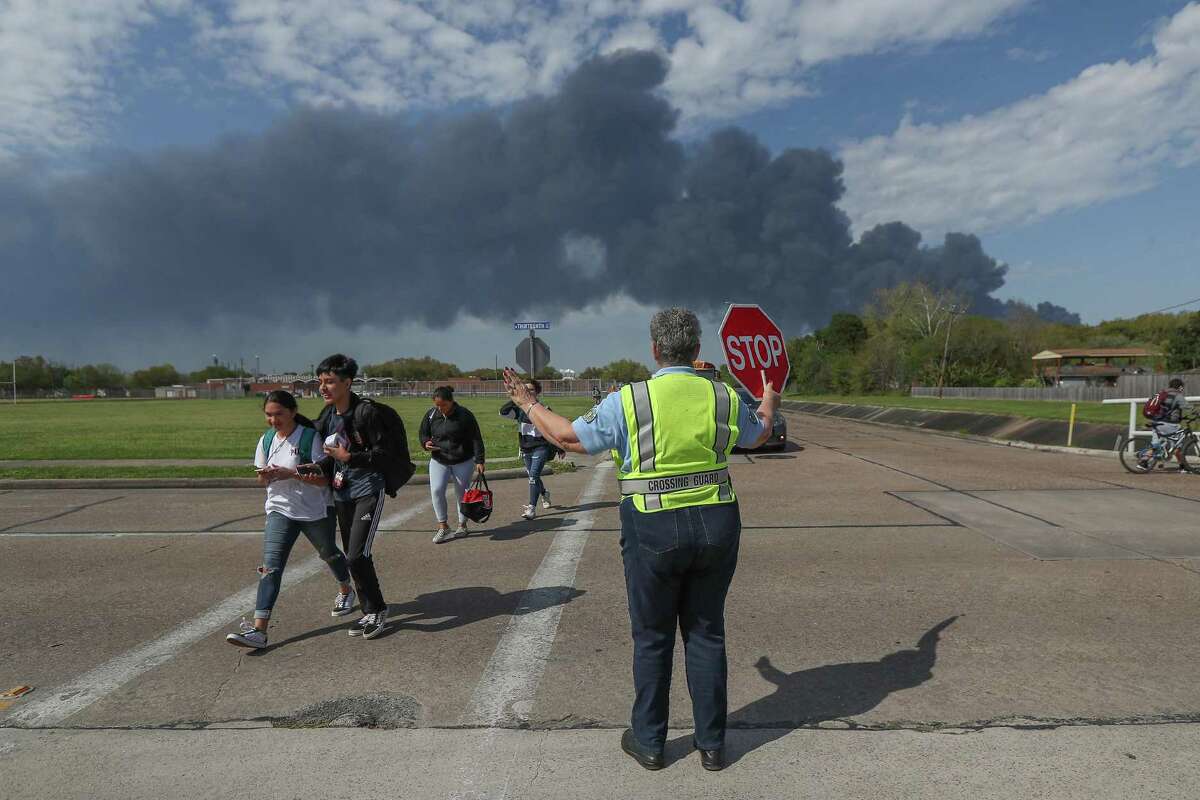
(1142,460)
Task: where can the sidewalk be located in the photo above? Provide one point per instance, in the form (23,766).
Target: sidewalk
(1088,763)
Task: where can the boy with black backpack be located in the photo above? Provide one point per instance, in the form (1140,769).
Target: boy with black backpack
(368,458)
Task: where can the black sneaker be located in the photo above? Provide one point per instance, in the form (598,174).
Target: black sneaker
(375,624)
(358,627)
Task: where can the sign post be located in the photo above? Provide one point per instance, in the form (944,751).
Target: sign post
(754,345)
(533,354)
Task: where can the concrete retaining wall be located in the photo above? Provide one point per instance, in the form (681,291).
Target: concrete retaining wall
(995,426)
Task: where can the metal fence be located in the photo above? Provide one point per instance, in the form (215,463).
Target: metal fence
(1127,386)
(475,388)
(1073,393)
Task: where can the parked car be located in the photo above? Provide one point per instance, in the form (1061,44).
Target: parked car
(778,438)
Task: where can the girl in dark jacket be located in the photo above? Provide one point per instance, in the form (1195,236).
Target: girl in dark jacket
(535,449)
(451,436)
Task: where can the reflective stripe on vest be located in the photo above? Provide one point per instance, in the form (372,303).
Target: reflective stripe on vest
(722,421)
(673,483)
(645,423)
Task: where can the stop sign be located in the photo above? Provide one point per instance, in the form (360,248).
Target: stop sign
(753,344)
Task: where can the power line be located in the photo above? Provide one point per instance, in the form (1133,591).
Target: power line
(1177,305)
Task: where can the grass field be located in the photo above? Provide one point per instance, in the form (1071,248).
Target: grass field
(1033,409)
(72,471)
(181,429)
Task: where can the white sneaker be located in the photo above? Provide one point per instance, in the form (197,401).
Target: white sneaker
(343,604)
(442,535)
(545,499)
(248,636)
(528,512)
(460,532)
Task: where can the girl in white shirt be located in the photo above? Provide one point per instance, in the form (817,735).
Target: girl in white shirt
(298,501)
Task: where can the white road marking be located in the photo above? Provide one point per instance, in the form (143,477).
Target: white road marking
(69,699)
(505,693)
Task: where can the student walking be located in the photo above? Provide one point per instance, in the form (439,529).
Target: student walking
(451,436)
(298,501)
(536,450)
(354,435)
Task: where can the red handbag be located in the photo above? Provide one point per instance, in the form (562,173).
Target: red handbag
(477,501)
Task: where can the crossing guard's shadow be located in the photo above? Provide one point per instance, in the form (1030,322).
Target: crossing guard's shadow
(834,691)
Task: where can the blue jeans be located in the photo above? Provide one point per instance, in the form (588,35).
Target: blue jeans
(280,534)
(535,462)
(678,567)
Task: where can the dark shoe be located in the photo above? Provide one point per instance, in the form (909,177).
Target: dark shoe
(648,758)
(376,624)
(711,760)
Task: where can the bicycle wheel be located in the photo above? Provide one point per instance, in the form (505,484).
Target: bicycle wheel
(1190,450)
(1138,460)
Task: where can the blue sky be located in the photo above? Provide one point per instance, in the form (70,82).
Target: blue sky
(929,103)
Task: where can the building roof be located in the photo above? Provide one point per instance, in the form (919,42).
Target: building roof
(1096,352)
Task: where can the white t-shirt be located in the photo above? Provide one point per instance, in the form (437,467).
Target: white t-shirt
(293,498)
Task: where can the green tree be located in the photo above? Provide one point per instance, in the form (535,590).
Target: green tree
(160,375)
(425,368)
(1183,346)
(93,377)
(845,333)
(212,371)
(624,370)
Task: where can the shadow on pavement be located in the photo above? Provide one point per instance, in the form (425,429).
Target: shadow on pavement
(521,528)
(445,610)
(834,691)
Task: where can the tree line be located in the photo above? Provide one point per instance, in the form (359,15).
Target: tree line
(908,335)
(41,376)
(914,335)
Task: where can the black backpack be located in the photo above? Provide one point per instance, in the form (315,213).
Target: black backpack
(399,467)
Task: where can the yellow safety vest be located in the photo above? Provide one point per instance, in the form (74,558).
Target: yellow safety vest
(682,428)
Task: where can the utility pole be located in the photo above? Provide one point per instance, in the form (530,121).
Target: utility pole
(946,351)
(14,380)
(256,369)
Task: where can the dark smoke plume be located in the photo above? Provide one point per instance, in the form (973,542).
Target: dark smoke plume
(387,219)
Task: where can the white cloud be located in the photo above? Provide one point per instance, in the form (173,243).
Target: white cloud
(1108,132)
(727,57)
(55,60)
(58,57)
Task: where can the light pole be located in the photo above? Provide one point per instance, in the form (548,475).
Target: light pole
(256,369)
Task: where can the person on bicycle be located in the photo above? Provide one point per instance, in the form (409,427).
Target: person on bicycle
(1175,407)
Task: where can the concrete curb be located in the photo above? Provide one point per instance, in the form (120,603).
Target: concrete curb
(197,483)
(918,420)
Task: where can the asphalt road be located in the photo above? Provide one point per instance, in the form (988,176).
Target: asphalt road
(897,591)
